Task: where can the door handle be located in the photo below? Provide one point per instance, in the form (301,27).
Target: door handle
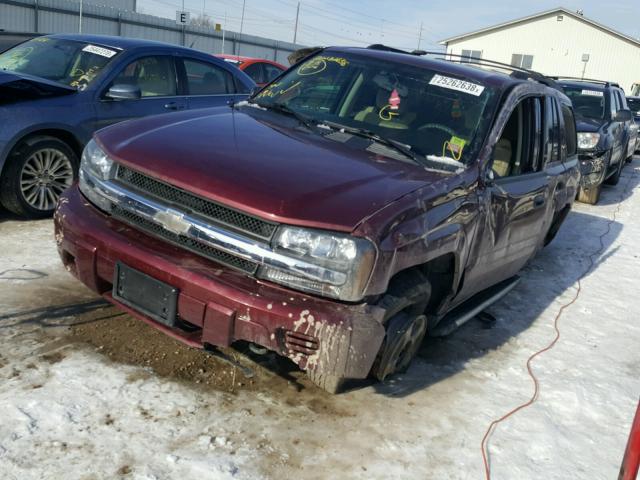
(173,106)
(538,201)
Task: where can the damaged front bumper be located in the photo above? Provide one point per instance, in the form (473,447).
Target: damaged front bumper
(593,168)
(217,305)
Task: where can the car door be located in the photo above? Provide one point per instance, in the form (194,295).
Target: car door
(155,77)
(630,131)
(206,84)
(618,129)
(516,198)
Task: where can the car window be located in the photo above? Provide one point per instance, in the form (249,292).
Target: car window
(615,103)
(255,72)
(207,79)
(69,62)
(517,151)
(154,75)
(569,129)
(270,71)
(588,102)
(442,117)
(551,131)
(634,105)
(621,100)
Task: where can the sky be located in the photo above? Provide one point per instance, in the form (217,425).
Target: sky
(395,23)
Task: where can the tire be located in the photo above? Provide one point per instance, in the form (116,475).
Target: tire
(615,178)
(590,196)
(37,171)
(405,323)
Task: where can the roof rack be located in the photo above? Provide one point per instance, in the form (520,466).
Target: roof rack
(516,72)
(589,80)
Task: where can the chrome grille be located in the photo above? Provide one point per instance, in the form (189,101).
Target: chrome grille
(184,242)
(191,203)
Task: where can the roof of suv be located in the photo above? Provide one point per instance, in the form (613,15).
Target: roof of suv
(590,84)
(486,76)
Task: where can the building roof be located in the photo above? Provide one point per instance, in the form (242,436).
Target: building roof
(559,10)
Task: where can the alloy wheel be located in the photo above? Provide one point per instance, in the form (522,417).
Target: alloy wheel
(44,176)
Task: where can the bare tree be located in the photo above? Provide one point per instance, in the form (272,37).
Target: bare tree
(203,20)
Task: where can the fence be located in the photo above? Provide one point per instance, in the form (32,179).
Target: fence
(58,16)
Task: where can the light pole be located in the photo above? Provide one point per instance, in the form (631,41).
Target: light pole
(295,30)
(80,19)
(585,60)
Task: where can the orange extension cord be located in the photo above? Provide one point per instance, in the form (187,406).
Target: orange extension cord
(536,387)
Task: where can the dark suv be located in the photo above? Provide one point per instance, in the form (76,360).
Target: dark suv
(634,106)
(365,198)
(606,135)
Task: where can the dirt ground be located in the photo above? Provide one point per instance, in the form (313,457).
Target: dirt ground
(88,392)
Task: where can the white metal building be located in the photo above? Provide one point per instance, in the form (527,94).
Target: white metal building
(556,42)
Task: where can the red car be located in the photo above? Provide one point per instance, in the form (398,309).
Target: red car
(260,70)
(335,217)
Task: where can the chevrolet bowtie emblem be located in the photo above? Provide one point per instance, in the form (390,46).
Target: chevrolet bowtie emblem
(173,221)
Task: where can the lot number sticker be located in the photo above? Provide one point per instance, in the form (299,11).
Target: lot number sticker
(455,84)
(103,52)
(593,93)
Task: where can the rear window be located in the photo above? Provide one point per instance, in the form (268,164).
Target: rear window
(588,102)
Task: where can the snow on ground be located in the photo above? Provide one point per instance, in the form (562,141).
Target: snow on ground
(70,409)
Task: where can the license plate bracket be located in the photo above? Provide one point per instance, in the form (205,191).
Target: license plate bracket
(143,293)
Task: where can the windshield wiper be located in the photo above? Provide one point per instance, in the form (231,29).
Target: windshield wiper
(284,109)
(364,133)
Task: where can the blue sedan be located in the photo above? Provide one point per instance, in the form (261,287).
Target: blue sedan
(56,90)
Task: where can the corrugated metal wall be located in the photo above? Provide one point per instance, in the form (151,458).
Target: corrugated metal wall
(557,48)
(61,16)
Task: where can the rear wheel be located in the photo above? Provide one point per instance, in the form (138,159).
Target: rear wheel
(38,171)
(589,195)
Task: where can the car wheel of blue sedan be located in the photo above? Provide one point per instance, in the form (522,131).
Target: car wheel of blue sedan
(40,169)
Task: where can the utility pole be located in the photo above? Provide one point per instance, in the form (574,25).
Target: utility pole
(244,2)
(420,36)
(80,19)
(295,30)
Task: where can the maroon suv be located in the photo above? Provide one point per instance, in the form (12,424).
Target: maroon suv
(366,198)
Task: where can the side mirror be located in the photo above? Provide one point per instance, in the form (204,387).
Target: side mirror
(623,116)
(124,92)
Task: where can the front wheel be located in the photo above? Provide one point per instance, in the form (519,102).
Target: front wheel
(38,171)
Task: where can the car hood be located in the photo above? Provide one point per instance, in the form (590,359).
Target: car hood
(585,124)
(257,165)
(15,87)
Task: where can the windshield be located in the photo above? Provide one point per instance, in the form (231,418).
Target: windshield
(75,64)
(634,105)
(587,102)
(434,114)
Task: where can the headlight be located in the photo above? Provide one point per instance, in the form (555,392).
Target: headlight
(344,262)
(96,162)
(587,141)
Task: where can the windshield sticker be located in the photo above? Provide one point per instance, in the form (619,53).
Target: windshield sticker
(41,39)
(454,146)
(319,64)
(458,85)
(272,90)
(103,52)
(593,93)
(82,78)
